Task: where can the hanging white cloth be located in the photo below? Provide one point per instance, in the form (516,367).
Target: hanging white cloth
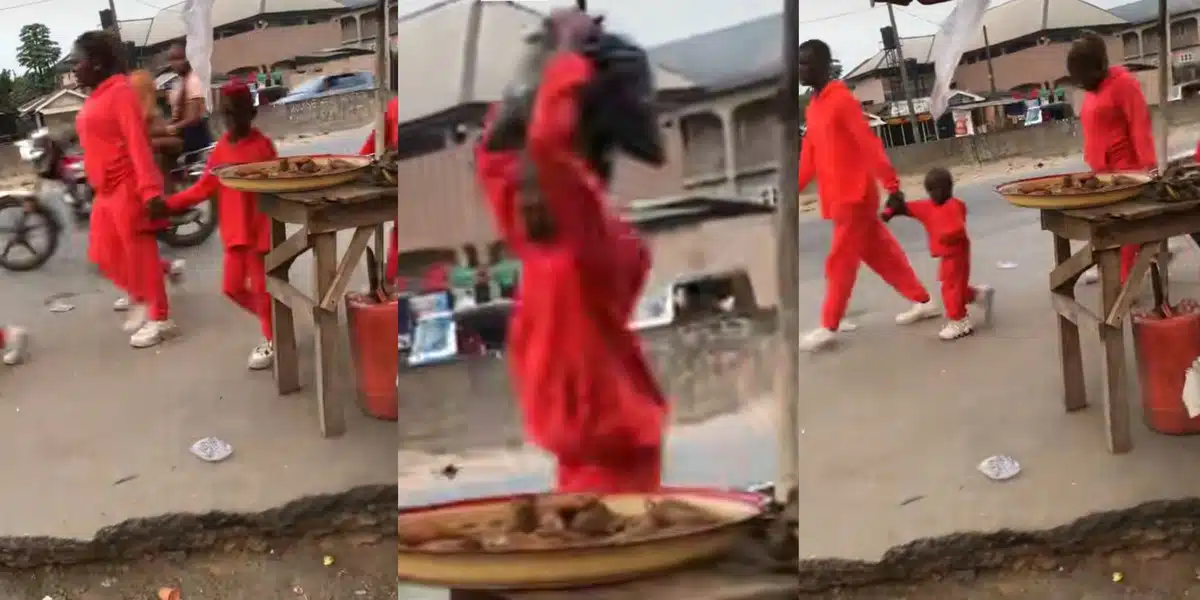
(959,29)
(197,19)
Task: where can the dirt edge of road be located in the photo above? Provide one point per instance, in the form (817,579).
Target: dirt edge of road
(365,510)
(1164,526)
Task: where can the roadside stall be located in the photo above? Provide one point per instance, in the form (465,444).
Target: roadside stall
(1105,212)
(310,200)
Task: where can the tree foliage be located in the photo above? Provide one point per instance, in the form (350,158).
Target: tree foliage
(38,54)
(7,87)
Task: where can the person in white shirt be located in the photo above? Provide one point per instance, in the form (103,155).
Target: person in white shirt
(189,111)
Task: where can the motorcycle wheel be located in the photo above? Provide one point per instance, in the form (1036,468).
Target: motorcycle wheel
(194,232)
(29,217)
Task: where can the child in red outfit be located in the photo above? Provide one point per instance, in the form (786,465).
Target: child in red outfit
(391,120)
(245,232)
(945,220)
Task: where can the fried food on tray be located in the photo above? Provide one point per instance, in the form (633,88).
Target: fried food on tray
(534,522)
(294,166)
(1075,184)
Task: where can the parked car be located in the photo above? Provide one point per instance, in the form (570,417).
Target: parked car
(326,85)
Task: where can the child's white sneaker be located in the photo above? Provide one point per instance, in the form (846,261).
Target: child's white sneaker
(152,333)
(122,304)
(262,357)
(135,318)
(818,339)
(985,298)
(1090,276)
(175,271)
(919,312)
(16,344)
(956,329)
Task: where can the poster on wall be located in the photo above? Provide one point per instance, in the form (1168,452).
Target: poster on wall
(963,124)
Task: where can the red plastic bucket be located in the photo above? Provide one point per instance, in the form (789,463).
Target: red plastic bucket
(1167,345)
(374,327)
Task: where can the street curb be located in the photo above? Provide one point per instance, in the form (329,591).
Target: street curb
(1173,525)
(369,509)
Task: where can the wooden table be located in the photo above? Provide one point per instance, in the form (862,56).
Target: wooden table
(1146,223)
(321,215)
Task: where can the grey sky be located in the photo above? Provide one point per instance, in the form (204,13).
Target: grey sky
(851,28)
(852,36)
(65,18)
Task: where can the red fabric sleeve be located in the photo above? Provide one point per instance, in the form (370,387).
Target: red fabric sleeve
(495,173)
(573,193)
(1133,103)
(205,187)
(132,123)
(808,165)
(870,148)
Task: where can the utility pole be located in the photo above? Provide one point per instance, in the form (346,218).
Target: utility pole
(787,260)
(1164,81)
(987,54)
(912,111)
(116,27)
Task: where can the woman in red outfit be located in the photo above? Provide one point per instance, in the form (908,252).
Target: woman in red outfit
(846,158)
(391,128)
(121,169)
(245,232)
(1117,134)
(586,392)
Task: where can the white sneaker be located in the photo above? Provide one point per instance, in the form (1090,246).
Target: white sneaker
(16,342)
(262,357)
(818,339)
(956,329)
(985,298)
(847,326)
(1090,276)
(175,272)
(152,334)
(122,304)
(136,318)
(919,312)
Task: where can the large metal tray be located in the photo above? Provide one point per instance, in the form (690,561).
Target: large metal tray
(299,183)
(1011,192)
(578,565)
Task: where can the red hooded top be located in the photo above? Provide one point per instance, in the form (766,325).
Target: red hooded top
(116,148)
(845,156)
(1117,134)
(391,129)
(242,225)
(946,225)
(583,383)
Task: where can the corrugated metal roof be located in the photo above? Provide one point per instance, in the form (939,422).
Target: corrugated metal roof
(1010,21)
(726,57)
(464,52)
(1144,11)
(167,24)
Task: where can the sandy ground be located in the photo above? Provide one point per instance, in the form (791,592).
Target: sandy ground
(90,417)
(362,569)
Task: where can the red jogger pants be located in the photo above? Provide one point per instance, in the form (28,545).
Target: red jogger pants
(128,257)
(1129,253)
(246,284)
(954,271)
(864,239)
(636,471)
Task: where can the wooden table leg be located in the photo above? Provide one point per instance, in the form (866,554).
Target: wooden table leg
(329,405)
(283,328)
(1116,401)
(1069,348)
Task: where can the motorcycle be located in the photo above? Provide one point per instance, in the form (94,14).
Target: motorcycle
(33,214)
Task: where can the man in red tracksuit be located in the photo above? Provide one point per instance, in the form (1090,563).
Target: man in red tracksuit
(245,232)
(586,392)
(945,220)
(1117,134)
(391,128)
(846,158)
